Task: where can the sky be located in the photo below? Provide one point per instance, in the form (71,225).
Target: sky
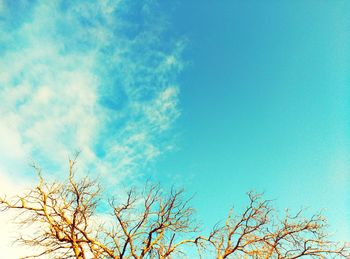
(265,106)
(220,97)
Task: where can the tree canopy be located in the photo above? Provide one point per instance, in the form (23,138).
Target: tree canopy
(151,223)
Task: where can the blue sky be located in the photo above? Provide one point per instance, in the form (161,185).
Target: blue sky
(265,105)
(221,97)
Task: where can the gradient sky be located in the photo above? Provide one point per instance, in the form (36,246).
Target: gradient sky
(265,105)
(220,97)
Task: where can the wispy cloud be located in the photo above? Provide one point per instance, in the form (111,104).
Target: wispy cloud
(94,76)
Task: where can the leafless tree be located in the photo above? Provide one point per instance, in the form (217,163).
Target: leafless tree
(151,224)
(259,233)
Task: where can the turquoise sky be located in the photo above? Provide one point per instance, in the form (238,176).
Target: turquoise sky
(220,97)
(265,102)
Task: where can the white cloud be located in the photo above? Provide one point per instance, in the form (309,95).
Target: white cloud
(8,248)
(73,78)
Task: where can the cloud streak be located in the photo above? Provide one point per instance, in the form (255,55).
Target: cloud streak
(99,77)
(94,76)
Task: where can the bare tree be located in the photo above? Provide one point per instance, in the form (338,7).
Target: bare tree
(259,233)
(151,224)
(147,225)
